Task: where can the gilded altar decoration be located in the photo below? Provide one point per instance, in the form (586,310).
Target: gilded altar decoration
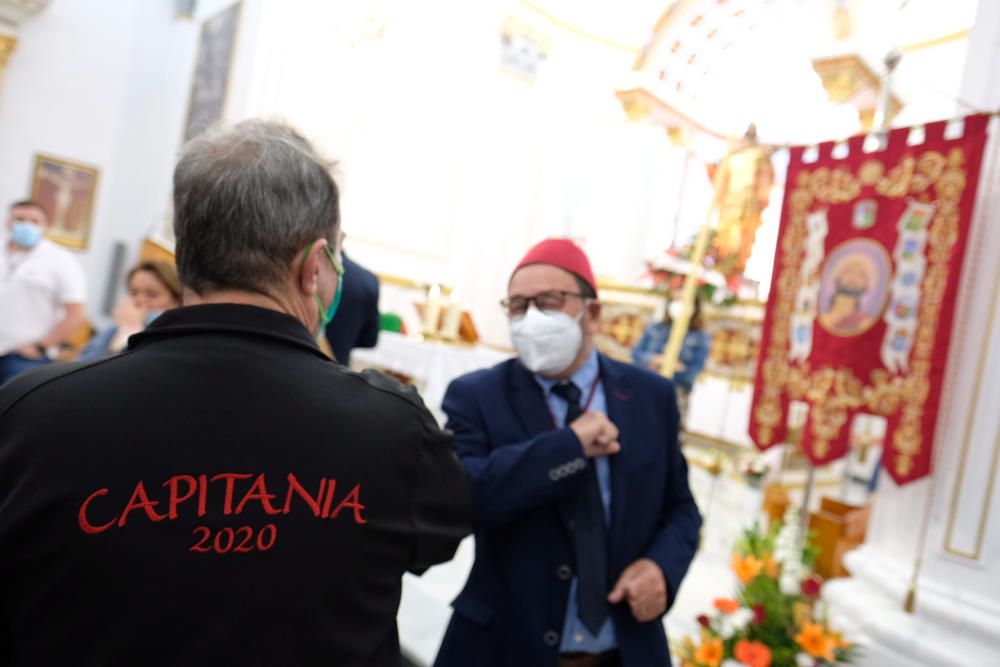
(735,334)
(866,277)
(524,47)
(745,184)
(622,325)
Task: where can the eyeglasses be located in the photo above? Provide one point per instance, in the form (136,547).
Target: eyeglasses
(550,301)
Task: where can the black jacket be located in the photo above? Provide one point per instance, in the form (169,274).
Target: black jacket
(356,322)
(220,494)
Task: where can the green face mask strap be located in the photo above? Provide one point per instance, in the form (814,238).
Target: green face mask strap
(326,314)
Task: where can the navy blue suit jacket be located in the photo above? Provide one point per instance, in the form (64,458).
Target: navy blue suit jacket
(521,467)
(356,321)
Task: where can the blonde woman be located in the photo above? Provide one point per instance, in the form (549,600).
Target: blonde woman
(153,287)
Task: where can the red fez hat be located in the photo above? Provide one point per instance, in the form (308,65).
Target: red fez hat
(564,254)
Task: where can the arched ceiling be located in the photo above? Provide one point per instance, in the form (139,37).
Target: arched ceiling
(727,63)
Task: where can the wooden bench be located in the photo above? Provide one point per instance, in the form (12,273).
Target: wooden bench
(836,529)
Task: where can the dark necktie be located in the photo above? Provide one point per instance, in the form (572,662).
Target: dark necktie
(590,541)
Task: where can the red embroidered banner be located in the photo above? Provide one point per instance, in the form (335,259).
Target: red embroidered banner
(866,273)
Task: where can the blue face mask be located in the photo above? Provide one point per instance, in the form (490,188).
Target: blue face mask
(326,314)
(25,234)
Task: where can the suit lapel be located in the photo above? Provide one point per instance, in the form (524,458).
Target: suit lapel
(529,401)
(533,411)
(617,396)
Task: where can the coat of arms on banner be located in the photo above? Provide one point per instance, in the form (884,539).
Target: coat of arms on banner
(866,275)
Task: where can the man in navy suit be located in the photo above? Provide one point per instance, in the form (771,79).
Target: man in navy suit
(357,320)
(585,525)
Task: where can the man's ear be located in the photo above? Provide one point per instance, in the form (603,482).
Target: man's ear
(308,274)
(593,317)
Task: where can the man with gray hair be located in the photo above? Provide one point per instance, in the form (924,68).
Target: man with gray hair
(223,493)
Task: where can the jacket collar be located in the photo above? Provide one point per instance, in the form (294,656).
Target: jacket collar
(529,404)
(583,378)
(529,398)
(227,318)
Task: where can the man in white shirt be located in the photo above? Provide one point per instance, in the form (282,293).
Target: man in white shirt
(42,292)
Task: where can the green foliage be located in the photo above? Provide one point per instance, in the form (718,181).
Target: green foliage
(779,614)
(757,543)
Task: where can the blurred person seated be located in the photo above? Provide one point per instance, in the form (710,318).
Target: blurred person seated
(356,323)
(42,292)
(153,287)
(649,351)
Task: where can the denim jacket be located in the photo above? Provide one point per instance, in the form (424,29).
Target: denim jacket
(694,351)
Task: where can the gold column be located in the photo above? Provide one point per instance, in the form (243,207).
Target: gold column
(7,45)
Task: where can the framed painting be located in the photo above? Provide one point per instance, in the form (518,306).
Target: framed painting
(67,191)
(210,81)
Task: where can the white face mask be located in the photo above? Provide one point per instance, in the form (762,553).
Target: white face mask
(546,343)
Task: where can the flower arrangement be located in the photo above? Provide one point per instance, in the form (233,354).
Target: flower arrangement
(775,619)
(667,271)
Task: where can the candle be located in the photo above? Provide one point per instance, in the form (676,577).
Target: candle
(452,319)
(432,311)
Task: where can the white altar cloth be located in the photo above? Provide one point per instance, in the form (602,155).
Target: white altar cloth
(432,365)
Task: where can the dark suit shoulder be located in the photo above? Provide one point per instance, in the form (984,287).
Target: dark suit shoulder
(638,375)
(359,275)
(493,376)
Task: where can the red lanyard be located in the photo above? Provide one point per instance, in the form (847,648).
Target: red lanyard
(584,407)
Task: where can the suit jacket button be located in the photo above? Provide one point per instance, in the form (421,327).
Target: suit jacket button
(551,638)
(564,572)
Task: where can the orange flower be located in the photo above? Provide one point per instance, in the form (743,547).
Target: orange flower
(747,567)
(815,642)
(770,566)
(753,654)
(727,605)
(709,653)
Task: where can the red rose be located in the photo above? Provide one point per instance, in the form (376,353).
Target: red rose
(703,621)
(759,614)
(811,586)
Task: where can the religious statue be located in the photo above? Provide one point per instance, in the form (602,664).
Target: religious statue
(743,192)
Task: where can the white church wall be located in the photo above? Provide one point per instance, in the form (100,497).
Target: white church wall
(64,94)
(104,83)
(957,617)
(451,168)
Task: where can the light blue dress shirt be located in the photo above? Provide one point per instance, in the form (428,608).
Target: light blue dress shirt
(575,636)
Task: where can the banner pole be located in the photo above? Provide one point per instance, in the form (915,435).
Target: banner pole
(806,499)
(882,123)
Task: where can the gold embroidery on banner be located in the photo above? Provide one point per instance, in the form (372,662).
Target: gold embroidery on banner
(871,172)
(930,165)
(885,394)
(897,182)
(834,393)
